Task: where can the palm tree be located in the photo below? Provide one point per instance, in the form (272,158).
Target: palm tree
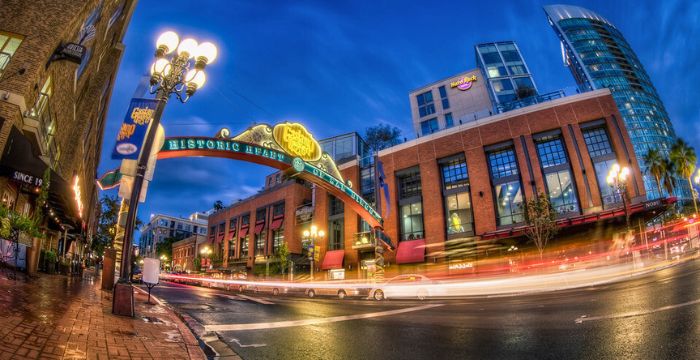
(655,166)
(668,181)
(683,157)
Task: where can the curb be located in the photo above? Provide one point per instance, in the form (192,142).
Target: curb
(198,332)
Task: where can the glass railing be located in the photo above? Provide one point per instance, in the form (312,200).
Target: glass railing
(363,239)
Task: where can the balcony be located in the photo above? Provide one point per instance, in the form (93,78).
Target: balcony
(532,100)
(41,125)
(363,240)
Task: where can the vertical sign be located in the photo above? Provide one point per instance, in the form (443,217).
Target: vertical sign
(133,130)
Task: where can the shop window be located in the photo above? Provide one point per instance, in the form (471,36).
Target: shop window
(410,204)
(456,197)
(507,191)
(557,172)
(603,157)
(277,239)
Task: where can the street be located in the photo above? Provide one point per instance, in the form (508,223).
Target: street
(656,315)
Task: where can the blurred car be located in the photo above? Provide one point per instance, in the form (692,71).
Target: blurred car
(406,286)
(341,292)
(269,289)
(137,275)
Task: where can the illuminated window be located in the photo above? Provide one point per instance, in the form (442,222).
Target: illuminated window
(8,46)
(277,239)
(557,172)
(336,220)
(410,204)
(456,196)
(603,157)
(507,191)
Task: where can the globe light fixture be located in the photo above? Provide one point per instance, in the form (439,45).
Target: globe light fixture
(166,43)
(187,48)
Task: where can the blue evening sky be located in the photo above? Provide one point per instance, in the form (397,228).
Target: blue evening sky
(341,66)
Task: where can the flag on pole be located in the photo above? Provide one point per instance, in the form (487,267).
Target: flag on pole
(383,186)
(109,180)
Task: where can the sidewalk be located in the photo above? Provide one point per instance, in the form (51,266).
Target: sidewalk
(57,317)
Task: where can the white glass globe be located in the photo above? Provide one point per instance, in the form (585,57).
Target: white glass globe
(187,46)
(196,77)
(161,67)
(208,51)
(169,40)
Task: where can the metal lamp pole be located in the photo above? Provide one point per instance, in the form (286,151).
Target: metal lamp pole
(182,74)
(617,178)
(312,234)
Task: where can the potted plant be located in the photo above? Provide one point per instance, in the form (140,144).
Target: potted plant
(50,261)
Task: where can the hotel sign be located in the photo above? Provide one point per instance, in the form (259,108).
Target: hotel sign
(464,83)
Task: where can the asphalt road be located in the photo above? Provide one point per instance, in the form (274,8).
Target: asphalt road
(655,316)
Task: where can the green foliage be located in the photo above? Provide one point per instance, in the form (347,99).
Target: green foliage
(282,257)
(382,136)
(106,224)
(43,197)
(541,220)
(684,157)
(11,221)
(197,263)
(50,256)
(165,247)
(218,205)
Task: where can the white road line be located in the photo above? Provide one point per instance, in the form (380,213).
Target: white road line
(261,301)
(584,318)
(318,321)
(238,342)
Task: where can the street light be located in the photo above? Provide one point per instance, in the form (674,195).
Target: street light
(206,252)
(312,235)
(178,72)
(617,178)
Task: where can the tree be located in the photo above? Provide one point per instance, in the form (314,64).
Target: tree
(382,136)
(683,157)
(218,205)
(668,181)
(656,166)
(541,220)
(197,264)
(282,255)
(165,247)
(106,224)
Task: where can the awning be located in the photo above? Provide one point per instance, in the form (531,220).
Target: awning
(333,260)
(244,232)
(412,251)
(276,223)
(259,228)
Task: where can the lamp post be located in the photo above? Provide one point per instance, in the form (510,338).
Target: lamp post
(312,234)
(178,72)
(617,178)
(696,179)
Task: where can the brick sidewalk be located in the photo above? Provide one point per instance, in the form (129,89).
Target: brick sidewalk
(59,317)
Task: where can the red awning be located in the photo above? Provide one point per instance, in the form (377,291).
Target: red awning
(276,223)
(333,260)
(412,251)
(259,228)
(244,232)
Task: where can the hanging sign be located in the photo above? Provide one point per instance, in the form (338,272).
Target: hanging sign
(133,130)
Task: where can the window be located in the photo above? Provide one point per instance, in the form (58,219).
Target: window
(557,174)
(496,71)
(115,16)
(278,210)
(511,56)
(277,239)
(85,38)
(260,215)
(449,121)
(524,83)
(335,206)
(443,97)
(8,46)
(505,178)
(411,216)
(260,243)
(222,227)
(517,69)
(335,234)
(456,197)
(603,158)
(243,251)
(410,204)
(429,126)
(245,220)
(492,58)
(425,103)
(501,85)
(344,148)
(409,183)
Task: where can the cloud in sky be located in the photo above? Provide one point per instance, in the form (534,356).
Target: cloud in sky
(343,66)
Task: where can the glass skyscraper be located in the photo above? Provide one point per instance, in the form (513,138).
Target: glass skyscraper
(599,57)
(509,78)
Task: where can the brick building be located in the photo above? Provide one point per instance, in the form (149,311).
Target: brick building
(461,188)
(185,251)
(58,63)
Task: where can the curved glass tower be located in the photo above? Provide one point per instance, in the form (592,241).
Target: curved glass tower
(599,57)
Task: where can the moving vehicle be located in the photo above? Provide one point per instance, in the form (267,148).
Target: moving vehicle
(406,286)
(341,291)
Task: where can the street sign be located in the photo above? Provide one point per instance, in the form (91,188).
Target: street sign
(151,270)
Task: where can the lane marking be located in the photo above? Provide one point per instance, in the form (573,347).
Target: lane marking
(247,345)
(584,318)
(318,321)
(261,301)
(230,297)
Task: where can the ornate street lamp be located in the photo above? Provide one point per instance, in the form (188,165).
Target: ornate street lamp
(312,235)
(617,179)
(178,69)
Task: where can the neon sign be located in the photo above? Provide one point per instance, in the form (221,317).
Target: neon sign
(78,199)
(296,140)
(464,83)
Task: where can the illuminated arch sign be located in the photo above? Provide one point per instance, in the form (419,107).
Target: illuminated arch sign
(288,147)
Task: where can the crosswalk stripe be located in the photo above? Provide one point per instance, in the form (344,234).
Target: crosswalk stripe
(261,301)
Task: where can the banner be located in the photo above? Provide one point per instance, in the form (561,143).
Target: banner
(133,130)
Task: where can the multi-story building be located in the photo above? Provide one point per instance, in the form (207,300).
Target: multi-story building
(509,78)
(599,57)
(461,188)
(58,62)
(161,227)
(185,251)
(448,102)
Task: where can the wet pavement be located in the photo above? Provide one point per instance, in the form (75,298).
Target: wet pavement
(57,317)
(651,316)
